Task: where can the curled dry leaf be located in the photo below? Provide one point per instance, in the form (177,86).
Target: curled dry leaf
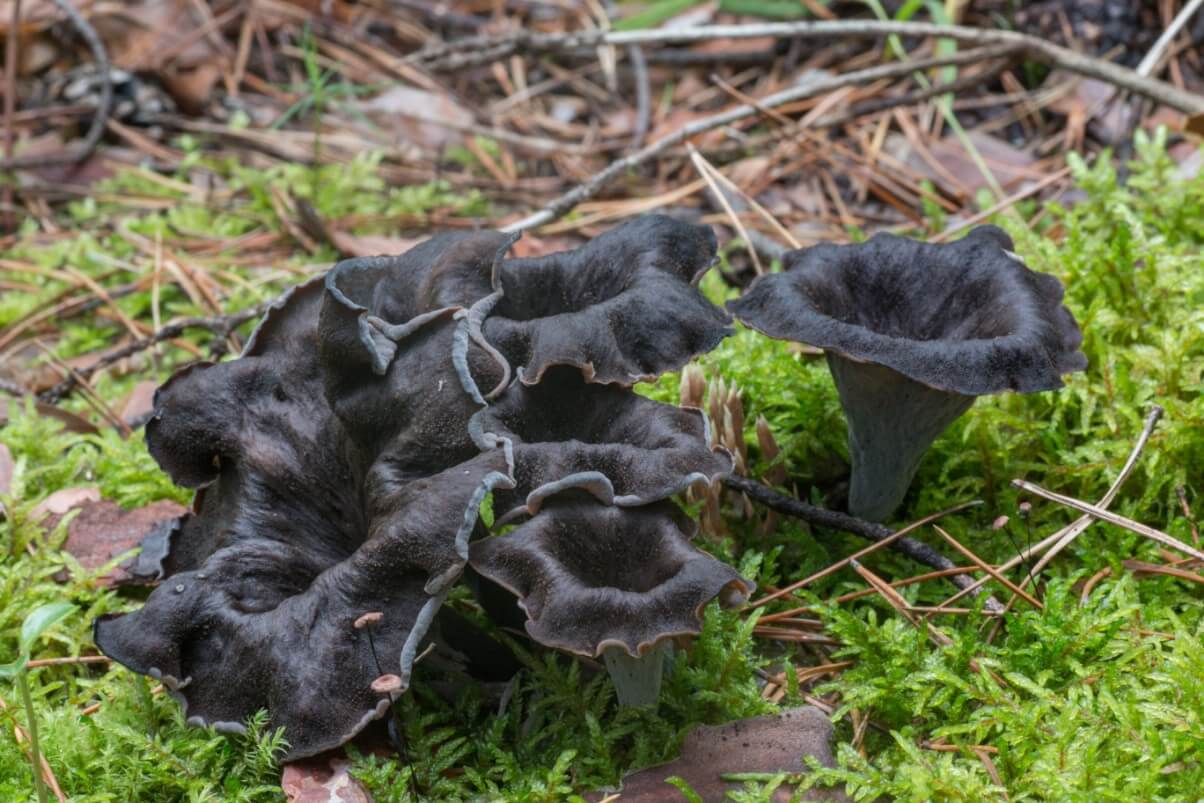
(104,531)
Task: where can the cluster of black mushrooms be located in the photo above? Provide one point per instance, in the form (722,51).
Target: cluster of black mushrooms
(343,460)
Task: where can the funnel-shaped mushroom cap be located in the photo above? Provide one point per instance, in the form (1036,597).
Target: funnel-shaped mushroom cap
(621,447)
(592,576)
(967,317)
(623,308)
(914,332)
(269,624)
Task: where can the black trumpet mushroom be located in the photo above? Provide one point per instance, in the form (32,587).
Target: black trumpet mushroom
(604,581)
(913,333)
(342,460)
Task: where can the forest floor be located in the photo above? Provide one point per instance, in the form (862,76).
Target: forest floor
(255,151)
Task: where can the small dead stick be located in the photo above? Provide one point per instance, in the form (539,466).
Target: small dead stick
(105,107)
(586,190)
(843,522)
(221,328)
(1112,518)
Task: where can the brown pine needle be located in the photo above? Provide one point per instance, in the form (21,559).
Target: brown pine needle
(986,567)
(704,170)
(840,564)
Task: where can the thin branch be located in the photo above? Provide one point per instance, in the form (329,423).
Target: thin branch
(220,327)
(586,190)
(843,522)
(480,50)
(1149,64)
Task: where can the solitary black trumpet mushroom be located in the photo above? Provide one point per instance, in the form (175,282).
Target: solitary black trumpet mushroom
(341,461)
(914,333)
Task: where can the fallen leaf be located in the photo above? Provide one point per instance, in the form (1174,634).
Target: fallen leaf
(170,38)
(1009,165)
(369,245)
(140,403)
(64,500)
(768,744)
(1195,125)
(416,116)
(103,531)
(318,780)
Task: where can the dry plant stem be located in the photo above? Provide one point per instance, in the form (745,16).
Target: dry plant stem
(447,56)
(1141,567)
(69,661)
(705,171)
(221,328)
(90,139)
(843,522)
(1100,513)
(47,774)
(1062,538)
(587,189)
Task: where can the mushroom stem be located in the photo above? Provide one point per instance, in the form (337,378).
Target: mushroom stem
(637,680)
(892,421)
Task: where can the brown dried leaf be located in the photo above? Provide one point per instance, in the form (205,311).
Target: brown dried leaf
(419,117)
(369,245)
(140,403)
(62,501)
(103,531)
(318,780)
(1195,125)
(1008,164)
(766,744)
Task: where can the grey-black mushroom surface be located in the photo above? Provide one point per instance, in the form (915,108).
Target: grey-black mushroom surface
(623,308)
(624,448)
(913,333)
(319,501)
(593,576)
